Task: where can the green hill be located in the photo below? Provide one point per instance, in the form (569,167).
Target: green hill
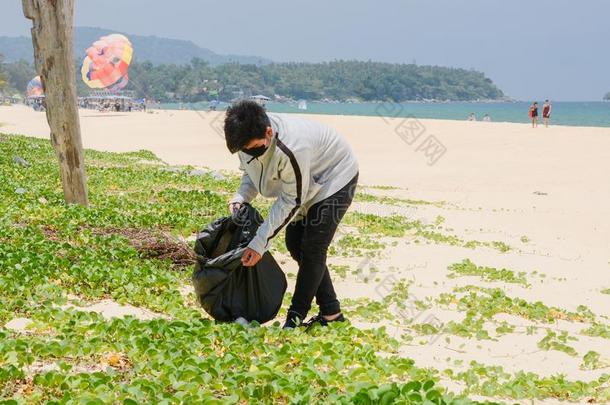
(150,48)
(175,70)
(338,80)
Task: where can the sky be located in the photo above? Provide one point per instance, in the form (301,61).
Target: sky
(557,49)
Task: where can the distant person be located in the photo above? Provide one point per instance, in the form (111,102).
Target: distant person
(472,117)
(486,118)
(533,113)
(546,112)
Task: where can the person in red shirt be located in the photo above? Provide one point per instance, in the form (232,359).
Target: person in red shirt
(546,112)
(533,113)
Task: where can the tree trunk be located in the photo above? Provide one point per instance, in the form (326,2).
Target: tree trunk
(53,54)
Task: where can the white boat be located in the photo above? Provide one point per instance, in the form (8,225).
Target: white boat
(260,99)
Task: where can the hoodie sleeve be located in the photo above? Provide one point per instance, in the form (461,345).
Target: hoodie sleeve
(294,170)
(247,190)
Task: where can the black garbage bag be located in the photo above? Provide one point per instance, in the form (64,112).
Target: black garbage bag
(226,289)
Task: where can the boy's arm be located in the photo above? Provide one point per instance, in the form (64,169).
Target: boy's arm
(294,172)
(247,191)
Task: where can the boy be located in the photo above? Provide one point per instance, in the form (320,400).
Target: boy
(312,172)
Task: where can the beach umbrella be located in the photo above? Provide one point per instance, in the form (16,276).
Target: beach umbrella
(34,87)
(106,62)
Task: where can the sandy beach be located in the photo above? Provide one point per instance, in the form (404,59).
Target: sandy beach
(544,192)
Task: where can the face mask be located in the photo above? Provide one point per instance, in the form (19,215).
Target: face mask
(256,152)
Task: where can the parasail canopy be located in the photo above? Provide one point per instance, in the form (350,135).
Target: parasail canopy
(34,87)
(106,63)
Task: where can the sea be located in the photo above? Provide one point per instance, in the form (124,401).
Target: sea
(586,114)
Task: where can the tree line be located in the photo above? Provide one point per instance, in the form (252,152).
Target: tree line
(14,76)
(337,80)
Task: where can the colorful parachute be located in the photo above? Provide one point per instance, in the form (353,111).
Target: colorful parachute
(106,63)
(120,84)
(34,87)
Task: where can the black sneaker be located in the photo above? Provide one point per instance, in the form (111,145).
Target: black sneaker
(293,320)
(319,319)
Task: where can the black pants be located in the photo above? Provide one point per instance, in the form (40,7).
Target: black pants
(307,241)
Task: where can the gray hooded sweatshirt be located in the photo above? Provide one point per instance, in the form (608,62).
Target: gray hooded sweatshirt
(305,163)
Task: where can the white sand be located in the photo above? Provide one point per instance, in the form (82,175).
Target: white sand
(501,182)
(18,324)
(110,309)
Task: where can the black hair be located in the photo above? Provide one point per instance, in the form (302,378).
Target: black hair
(246,120)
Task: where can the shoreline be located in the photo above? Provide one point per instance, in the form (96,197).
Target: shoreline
(374,109)
(389,117)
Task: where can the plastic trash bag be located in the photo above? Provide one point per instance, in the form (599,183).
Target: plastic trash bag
(226,289)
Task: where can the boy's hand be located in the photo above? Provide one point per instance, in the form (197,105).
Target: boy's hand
(234,207)
(250,257)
